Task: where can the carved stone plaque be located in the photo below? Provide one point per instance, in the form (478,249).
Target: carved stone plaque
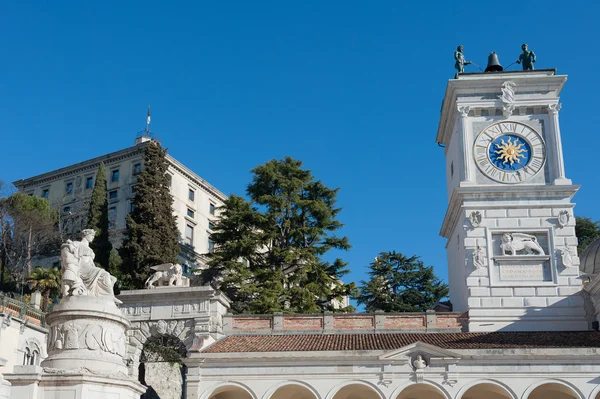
(522,272)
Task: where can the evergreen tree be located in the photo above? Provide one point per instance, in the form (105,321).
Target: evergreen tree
(98,219)
(268,251)
(30,229)
(400,284)
(586,231)
(151,235)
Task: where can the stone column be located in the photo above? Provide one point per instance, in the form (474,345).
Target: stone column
(466,177)
(556,146)
(36,300)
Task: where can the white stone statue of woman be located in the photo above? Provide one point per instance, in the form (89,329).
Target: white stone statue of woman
(80,275)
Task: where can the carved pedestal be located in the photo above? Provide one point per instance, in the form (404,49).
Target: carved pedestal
(4,385)
(86,349)
(86,332)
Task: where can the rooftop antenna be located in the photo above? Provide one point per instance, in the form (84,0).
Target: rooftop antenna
(145,135)
(147,129)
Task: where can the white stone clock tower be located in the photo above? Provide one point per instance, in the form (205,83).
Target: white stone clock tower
(512,250)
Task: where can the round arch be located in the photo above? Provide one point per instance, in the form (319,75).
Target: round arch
(422,390)
(355,389)
(228,390)
(490,389)
(291,389)
(595,393)
(552,389)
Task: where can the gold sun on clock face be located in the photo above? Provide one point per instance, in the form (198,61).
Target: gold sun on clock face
(510,151)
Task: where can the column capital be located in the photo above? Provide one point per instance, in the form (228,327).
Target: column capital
(463,110)
(554,108)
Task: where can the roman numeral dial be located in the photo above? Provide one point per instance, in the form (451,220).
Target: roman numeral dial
(509,152)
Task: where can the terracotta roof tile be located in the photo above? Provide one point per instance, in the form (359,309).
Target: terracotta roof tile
(390,341)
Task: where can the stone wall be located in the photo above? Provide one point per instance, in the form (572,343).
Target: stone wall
(329,322)
(552,302)
(164,378)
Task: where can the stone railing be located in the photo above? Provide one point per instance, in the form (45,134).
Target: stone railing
(329,323)
(21,310)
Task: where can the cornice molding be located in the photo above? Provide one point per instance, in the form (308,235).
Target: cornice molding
(112,158)
(81,167)
(482,91)
(491,193)
(200,182)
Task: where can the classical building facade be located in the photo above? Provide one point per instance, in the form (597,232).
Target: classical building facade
(68,189)
(22,337)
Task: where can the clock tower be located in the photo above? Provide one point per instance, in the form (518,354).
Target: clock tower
(512,249)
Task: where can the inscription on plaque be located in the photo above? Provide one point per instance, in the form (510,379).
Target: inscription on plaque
(516,272)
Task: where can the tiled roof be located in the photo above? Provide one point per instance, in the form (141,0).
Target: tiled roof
(390,341)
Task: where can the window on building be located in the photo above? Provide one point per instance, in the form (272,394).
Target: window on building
(189,234)
(67,209)
(26,357)
(89,183)
(190,213)
(132,190)
(169,180)
(45,193)
(69,188)
(114,177)
(137,169)
(113,195)
(112,216)
(131,206)
(191,194)
(211,226)
(211,208)
(35,357)
(211,245)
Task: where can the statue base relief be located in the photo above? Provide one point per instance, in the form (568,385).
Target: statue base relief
(86,355)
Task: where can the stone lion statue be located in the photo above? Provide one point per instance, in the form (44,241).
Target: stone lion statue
(514,242)
(171,274)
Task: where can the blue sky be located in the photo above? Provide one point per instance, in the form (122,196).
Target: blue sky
(351,88)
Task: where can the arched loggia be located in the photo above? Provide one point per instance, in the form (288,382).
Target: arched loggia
(487,390)
(553,390)
(421,391)
(357,391)
(293,391)
(230,392)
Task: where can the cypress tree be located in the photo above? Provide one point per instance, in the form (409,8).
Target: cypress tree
(269,251)
(98,219)
(151,235)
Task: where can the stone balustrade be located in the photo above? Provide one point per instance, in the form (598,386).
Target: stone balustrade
(331,323)
(21,310)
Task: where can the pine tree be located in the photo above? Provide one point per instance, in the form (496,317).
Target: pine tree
(98,219)
(400,284)
(151,236)
(268,251)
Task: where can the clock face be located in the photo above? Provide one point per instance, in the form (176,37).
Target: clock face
(509,152)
